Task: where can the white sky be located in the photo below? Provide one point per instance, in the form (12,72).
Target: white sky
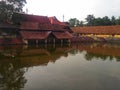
(73,8)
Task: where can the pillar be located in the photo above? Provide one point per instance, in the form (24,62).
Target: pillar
(61,42)
(36,41)
(69,42)
(45,41)
(54,40)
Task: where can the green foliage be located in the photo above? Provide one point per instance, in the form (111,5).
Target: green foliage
(8,7)
(73,22)
(90,20)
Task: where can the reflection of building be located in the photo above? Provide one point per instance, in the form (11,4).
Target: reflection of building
(33,56)
(11,76)
(42,55)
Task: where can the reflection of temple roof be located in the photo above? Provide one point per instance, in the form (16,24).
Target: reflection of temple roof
(36,56)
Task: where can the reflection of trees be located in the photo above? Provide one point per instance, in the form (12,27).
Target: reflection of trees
(100,50)
(90,56)
(11,76)
(118,58)
(73,51)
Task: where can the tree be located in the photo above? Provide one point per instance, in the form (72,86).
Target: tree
(81,23)
(113,20)
(73,22)
(118,21)
(8,7)
(106,21)
(98,21)
(90,20)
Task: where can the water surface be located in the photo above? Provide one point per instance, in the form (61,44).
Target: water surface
(66,67)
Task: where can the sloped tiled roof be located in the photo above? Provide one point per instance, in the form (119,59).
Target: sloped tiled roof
(35,34)
(29,25)
(41,23)
(35,26)
(62,35)
(45,26)
(35,18)
(54,20)
(97,30)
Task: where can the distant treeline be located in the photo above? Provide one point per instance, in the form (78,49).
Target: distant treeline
(91,20)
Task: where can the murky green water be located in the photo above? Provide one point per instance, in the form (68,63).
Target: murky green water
(64,67)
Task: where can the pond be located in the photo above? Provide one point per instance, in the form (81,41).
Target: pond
(89,66)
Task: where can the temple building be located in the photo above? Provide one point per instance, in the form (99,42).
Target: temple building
(42,29)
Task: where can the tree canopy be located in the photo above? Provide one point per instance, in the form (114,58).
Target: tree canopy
(8,7)
(91,20)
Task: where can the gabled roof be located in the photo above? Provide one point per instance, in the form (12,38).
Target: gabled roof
(29,25)
(62,35)
(54,20)
(35,26)
(35,18)
(35,22)
(34,35)
(97,30)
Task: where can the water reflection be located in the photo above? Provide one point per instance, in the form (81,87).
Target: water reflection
(16,60)
(101,50)
(11,76)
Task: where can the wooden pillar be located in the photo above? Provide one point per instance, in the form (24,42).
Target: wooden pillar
(69,42)
(54,40)
(61,42)
(45,41)
(37,42)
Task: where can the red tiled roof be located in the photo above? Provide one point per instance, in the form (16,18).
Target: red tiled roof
(54,20)
(45,26)
(62,35)
(29,25)
(34,22)
(36,26)
(57,27)
(35,34)
(36,18)
(97,30)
